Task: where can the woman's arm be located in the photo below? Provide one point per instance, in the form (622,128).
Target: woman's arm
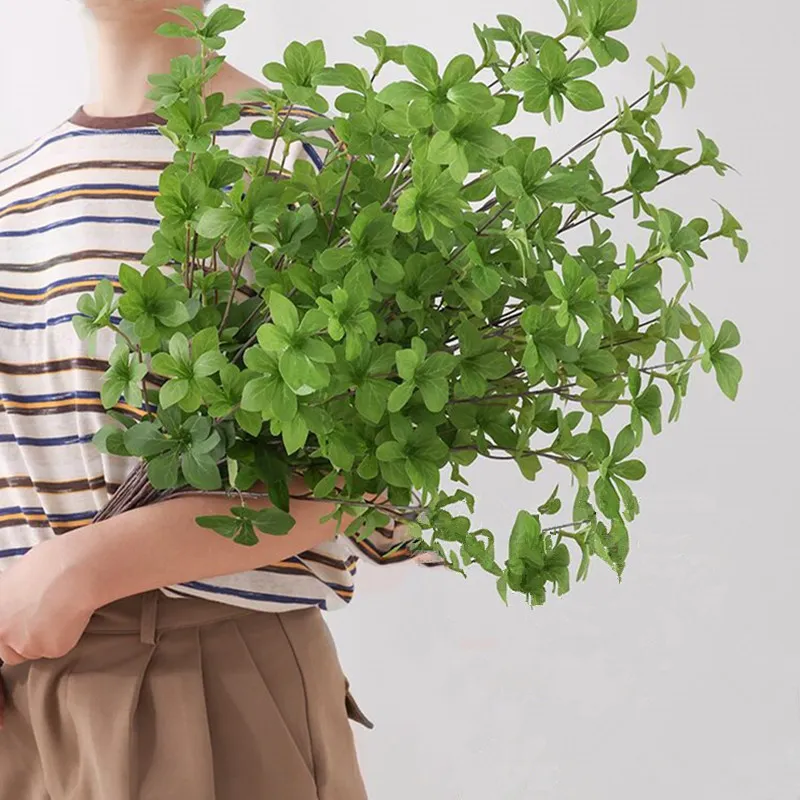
(48,596)
(161,545)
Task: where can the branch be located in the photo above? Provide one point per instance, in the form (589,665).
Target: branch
(236,273)
(478,232)
(288,111)
(542,453)
(601,131)
(340,198)
(570,226)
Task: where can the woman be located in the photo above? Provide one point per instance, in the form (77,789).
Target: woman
(145,657)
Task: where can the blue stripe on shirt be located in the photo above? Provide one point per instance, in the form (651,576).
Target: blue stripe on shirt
(50,323)
(249,595)
(154,223)
(55,284)
(45,442)
(14,551)
(75,134)
(33,511)
(146,130)
(313,155)
(52,397)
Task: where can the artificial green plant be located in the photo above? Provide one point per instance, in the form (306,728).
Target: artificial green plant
(441,292)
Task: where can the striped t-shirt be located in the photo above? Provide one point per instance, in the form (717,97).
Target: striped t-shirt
(74,205)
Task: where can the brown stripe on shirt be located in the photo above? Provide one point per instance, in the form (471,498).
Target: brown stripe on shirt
(56,487)
(80,285)
(148,166)
(68,406)
(29,206)
(69,258)
(50,367)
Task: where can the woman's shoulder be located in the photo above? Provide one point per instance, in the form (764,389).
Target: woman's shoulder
(252,95)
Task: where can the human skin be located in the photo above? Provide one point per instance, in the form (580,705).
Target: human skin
(48,595)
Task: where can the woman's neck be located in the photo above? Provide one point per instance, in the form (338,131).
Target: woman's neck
(126,51)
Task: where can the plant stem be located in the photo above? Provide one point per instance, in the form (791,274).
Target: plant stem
(288,111)
(543,453)
(253,314)
(340,198)
(395,193)
(570,226)
(127,338)
(601,131)
(236,273)
(478,232)
(568,525)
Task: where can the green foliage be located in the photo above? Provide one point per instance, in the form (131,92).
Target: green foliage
(441,292)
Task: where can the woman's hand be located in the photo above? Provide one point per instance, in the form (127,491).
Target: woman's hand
(43,610)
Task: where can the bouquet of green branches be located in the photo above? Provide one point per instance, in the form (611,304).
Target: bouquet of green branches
(440,292)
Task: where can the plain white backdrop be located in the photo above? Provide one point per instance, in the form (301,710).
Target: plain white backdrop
(683,681)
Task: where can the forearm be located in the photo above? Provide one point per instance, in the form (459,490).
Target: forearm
(161,545)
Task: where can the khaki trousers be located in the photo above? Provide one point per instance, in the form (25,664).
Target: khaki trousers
(184,699)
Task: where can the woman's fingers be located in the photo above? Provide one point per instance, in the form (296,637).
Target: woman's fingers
(10,656)
(3,700)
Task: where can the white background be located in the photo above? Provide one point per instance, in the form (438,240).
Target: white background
(683,681)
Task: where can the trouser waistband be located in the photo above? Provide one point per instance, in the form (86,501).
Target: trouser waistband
(151,612)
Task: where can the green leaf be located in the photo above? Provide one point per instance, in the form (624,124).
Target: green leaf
(225,526)
(204,341)
(400,93)
(294,433)
(607,498)
(644,177)
(274,522)
(435,394)
(111,391)
(273,340)
(525,542)
(145,439)
(173,315)
(728,371)
(400,395)
(390,451)
(284,312)
(552,505)
(630,470)
(473,97)
(201,471)
(174,30)
(246,536)
(179,349)
(461,69)
(584,95)
(422,65)
(556,287)
(604,16)
(216,222)
(173,391)
(624,444)
(508,179)
(209,364)
(162,471)
(325,487)
(224,19)
(727,338)
(553,60)
(371,399)
(527,78)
